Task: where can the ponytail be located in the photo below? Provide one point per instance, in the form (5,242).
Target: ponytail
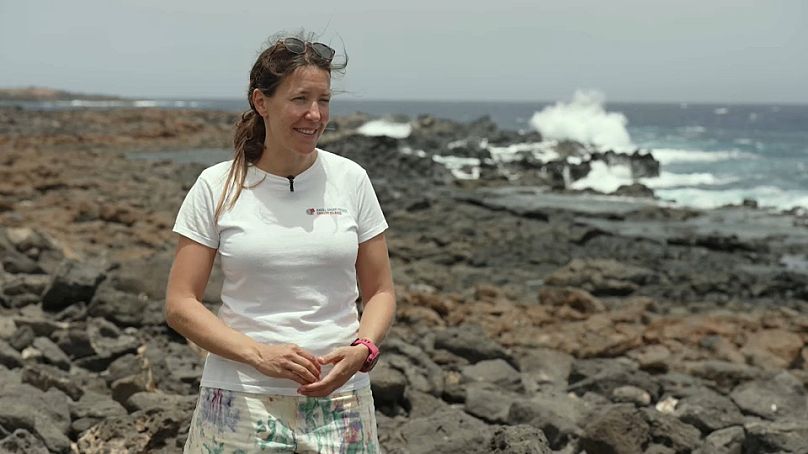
(248,142)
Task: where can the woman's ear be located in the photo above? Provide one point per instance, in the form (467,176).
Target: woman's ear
(259,101)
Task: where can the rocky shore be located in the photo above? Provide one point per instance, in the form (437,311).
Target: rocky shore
(532,318)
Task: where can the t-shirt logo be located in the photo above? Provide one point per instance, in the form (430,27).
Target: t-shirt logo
(326,211)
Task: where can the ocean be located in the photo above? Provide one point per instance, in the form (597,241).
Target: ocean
(710,154)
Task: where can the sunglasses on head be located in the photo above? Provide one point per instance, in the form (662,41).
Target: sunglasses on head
(298,46)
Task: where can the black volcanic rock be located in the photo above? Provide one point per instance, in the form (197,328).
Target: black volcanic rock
(72,283)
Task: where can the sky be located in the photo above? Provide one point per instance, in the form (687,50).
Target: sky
(729,51)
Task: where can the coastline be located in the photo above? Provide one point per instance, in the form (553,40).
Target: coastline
(549,320)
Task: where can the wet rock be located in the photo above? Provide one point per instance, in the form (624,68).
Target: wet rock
(616,429)
(72,282)
(634,190)
(521,439)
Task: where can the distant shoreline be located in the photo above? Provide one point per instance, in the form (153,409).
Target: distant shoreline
(49,94)
(33,94)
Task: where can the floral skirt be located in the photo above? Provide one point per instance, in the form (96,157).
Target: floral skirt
(235,422)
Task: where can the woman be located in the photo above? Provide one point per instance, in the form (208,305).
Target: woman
(296,229)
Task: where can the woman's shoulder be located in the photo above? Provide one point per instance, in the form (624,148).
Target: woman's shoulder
(344,165)
(216,173)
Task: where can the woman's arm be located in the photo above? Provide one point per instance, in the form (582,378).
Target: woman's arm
(376,286)
(185,313)
(379,300)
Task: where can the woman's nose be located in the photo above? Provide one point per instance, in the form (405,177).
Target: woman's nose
(313,113)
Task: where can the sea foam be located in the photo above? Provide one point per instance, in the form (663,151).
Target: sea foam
(767,196)
(672,155)
(584,120)
(604,178)
(385,128)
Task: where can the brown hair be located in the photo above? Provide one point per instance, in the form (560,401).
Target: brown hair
(270,68)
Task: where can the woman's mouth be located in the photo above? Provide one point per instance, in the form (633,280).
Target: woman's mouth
(306,131)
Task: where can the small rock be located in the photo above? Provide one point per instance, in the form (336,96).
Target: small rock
(51,353)
(23,337)
(773,348)
(22,442)
(520,439)
(495,371)
(387,384)
(783,396)
(616,429)
(631,395)
(447,430)
(776,436)
(45,377)
(670,431)
(578,299)
(470,342)
(724,441)
(709,411)
(488,403)
(9,357)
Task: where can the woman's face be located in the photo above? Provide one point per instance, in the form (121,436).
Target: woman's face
(297,113)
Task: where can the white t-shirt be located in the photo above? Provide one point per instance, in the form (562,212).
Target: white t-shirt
(288,260)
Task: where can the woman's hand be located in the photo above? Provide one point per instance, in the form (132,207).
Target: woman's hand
(346,360)
(287,361)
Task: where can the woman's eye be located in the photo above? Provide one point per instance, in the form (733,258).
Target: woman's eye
(325,100)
